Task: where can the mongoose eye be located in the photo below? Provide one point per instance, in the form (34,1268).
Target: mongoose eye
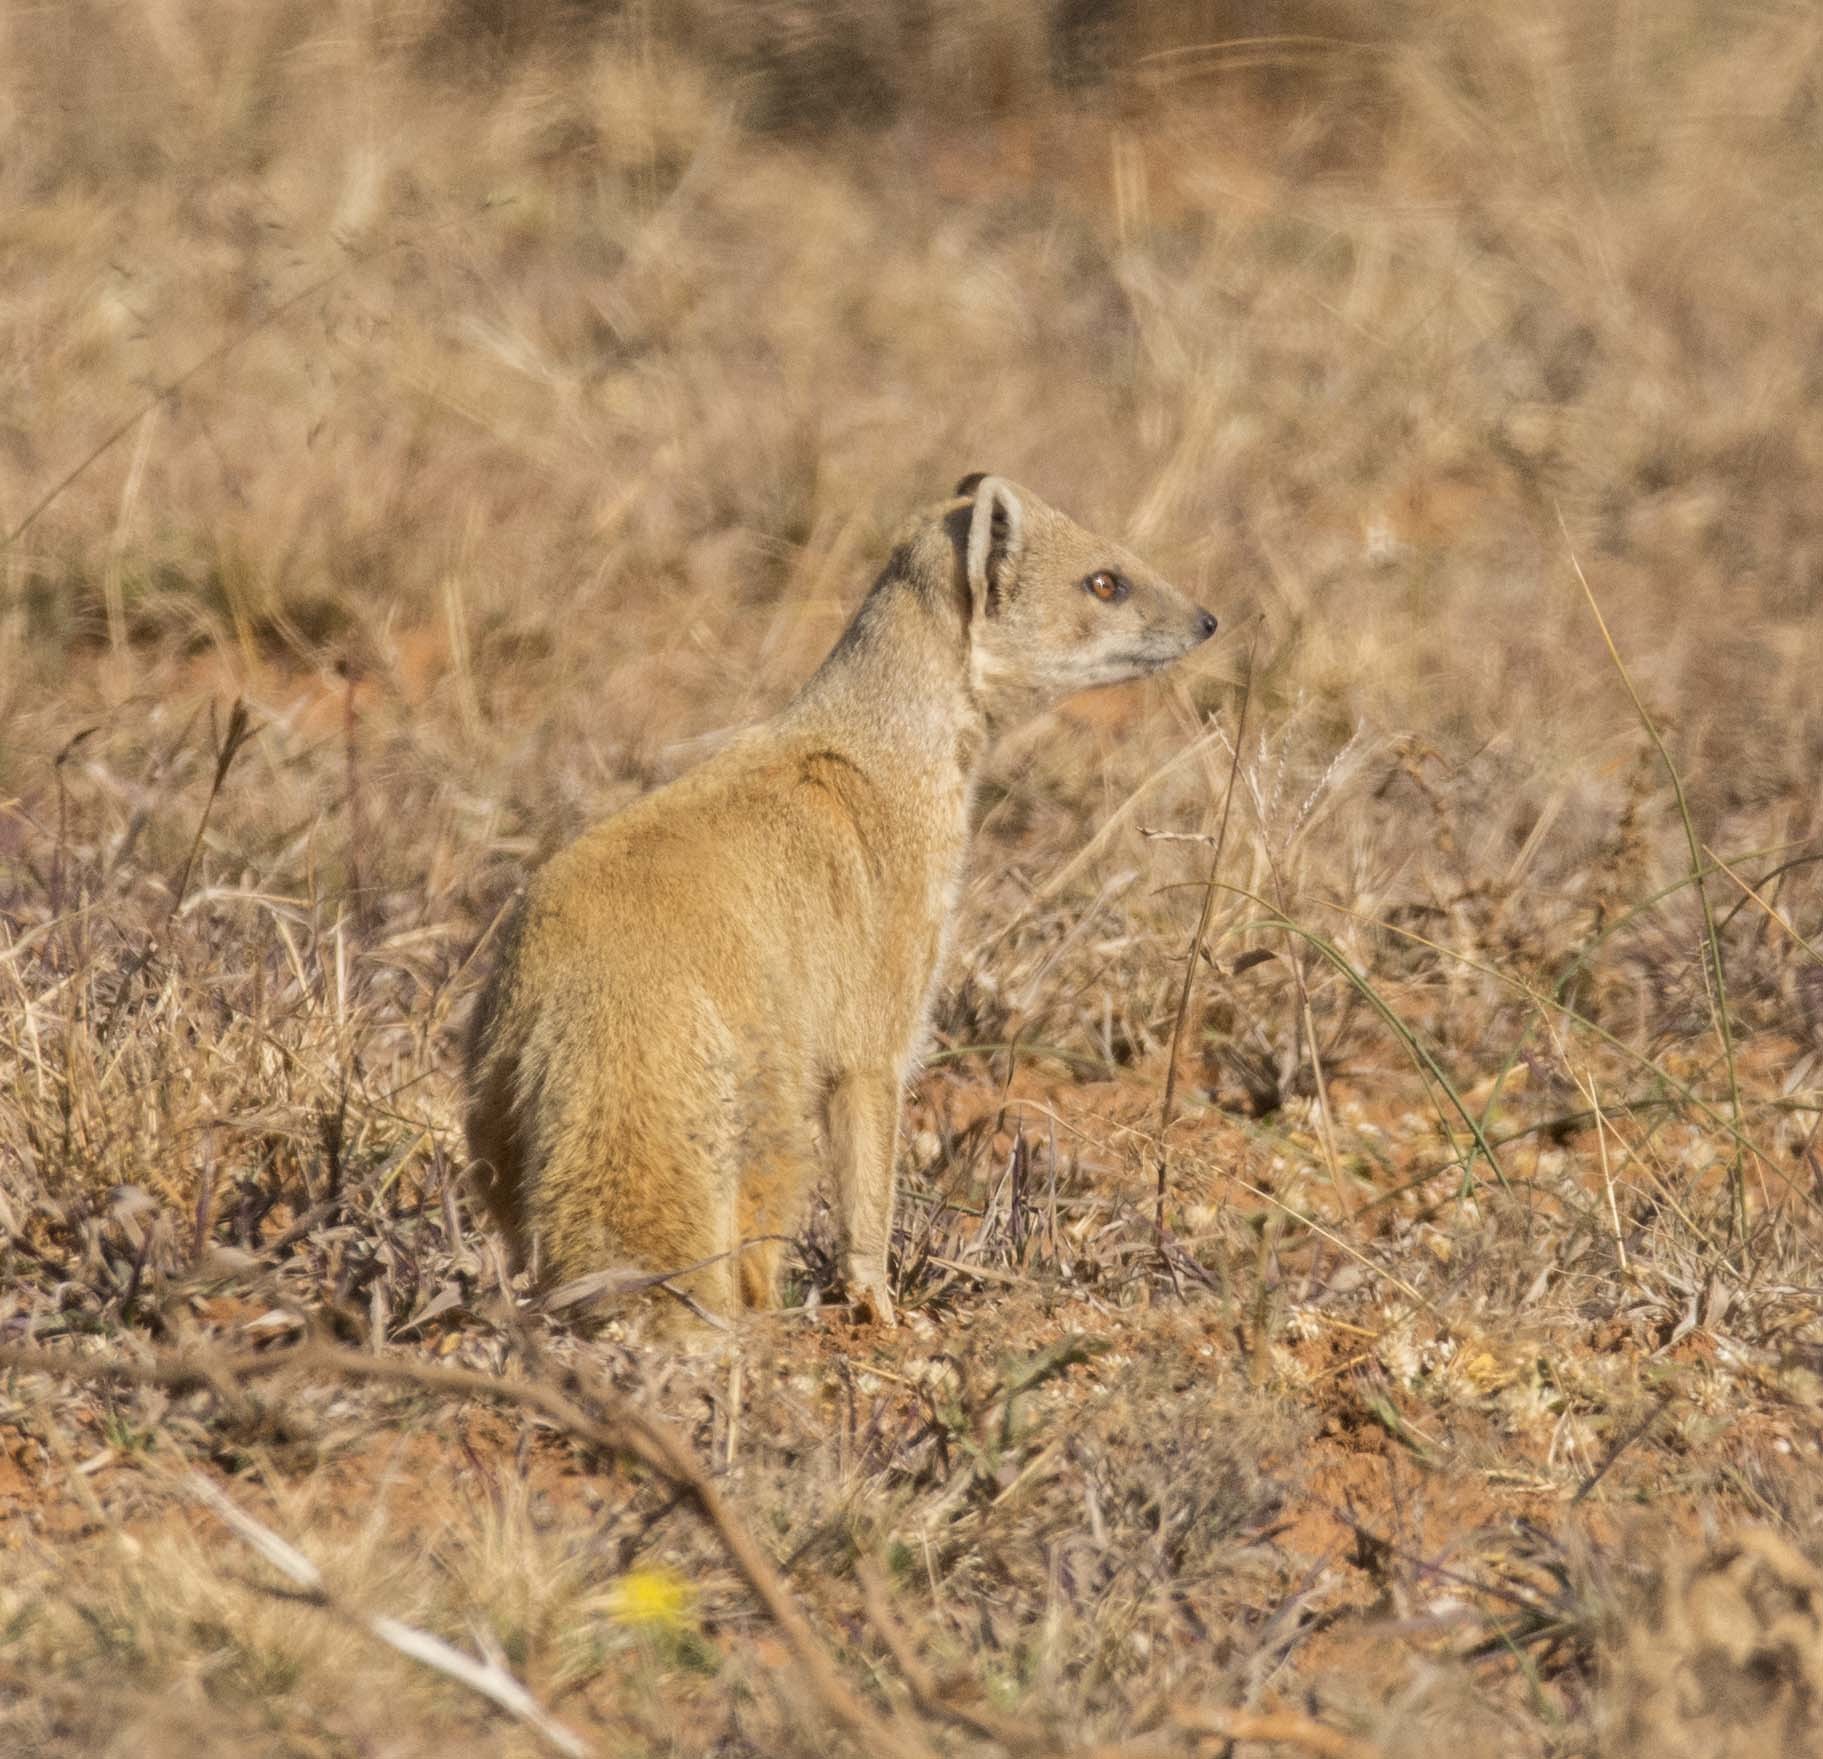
(1109,588)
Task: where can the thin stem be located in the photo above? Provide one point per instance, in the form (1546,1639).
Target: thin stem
(1194,955)
(1737,1178)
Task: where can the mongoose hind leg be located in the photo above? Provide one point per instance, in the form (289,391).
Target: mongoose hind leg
(769,1211)
(760,1261)
(863,1118)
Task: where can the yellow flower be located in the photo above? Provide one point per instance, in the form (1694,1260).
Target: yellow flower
(653,1600)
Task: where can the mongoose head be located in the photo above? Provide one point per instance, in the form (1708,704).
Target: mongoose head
(1055,609)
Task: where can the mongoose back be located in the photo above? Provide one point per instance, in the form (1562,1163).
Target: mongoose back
(722,988)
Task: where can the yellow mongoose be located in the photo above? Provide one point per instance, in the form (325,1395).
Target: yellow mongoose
(724,986)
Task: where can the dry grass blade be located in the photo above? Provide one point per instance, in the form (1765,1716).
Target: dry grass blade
(626,1430)
(1193,956)
(238,731)
(1200,1723)
(1723,1026)
(1587,1487)
(929,1697)
(176,386)
(1420,1053)
(489,1679)
(1771,914)
(1680,1087)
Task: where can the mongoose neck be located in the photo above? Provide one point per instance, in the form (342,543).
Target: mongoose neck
(898,683)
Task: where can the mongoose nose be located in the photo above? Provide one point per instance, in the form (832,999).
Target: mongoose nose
(1205,622)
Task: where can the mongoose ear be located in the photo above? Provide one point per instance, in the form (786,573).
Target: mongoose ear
(996,534)
(970,483)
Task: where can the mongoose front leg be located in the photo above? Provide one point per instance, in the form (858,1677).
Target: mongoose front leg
(864,1140)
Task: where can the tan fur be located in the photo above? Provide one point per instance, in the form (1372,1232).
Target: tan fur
(723,987)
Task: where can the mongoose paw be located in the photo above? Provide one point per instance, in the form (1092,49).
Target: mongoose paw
(871,1304)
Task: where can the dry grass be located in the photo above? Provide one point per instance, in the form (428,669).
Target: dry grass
(497,401)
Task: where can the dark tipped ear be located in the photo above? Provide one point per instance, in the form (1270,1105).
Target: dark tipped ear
(970,483)
(996,539)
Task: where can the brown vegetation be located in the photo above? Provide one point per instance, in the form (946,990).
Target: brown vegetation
(494,402)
